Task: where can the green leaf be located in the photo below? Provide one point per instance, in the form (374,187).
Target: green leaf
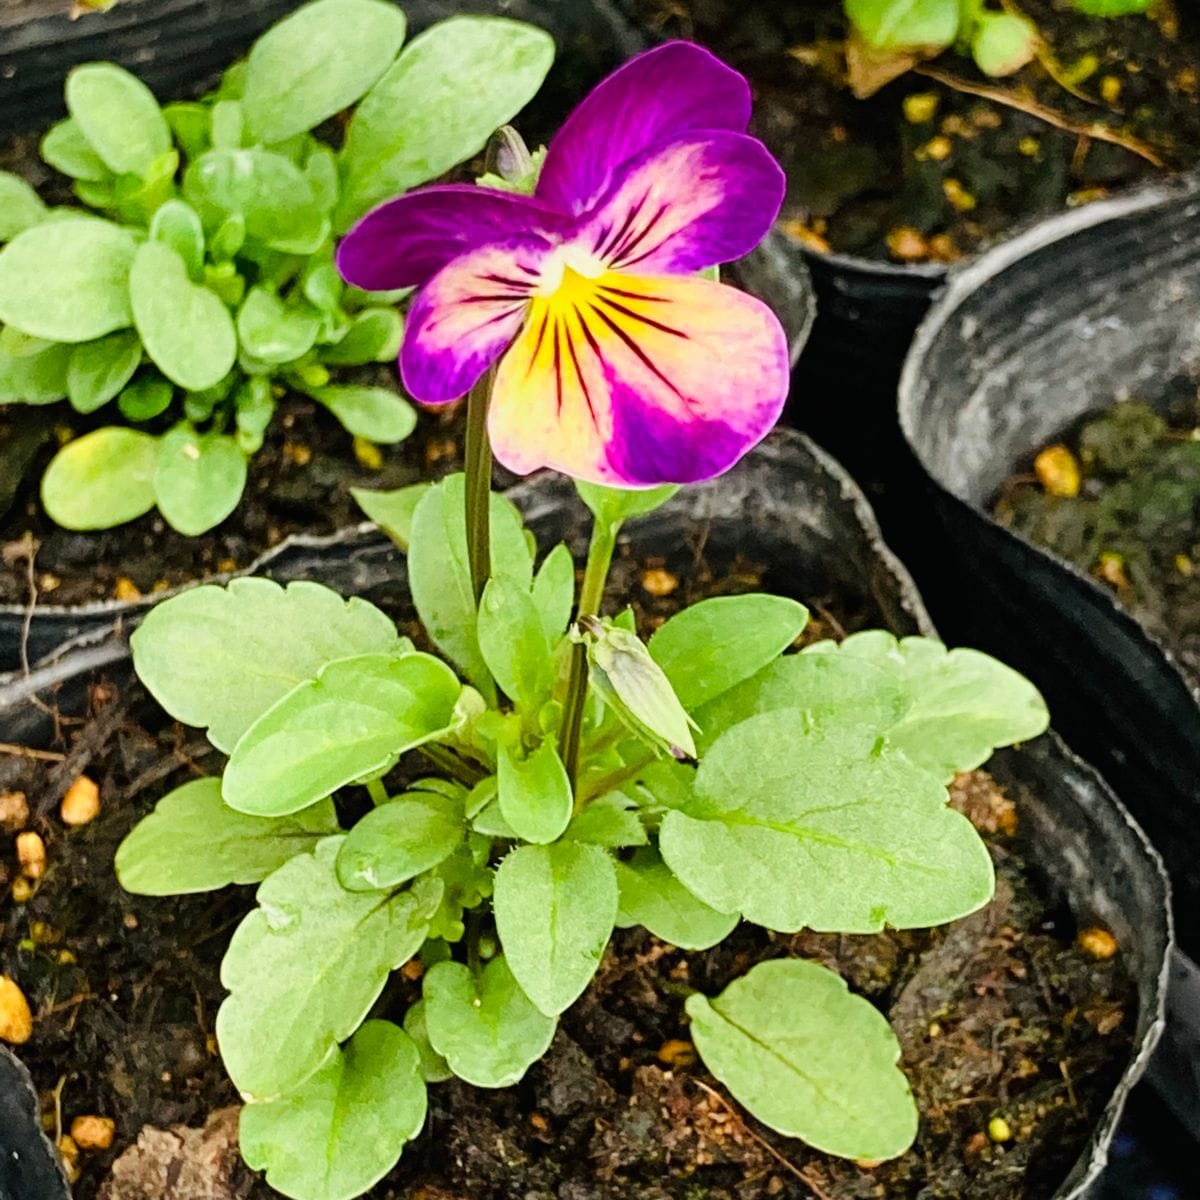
(228,124)
(905,24)
(1003,43)
(272,332)
(440,576)
(796,827)
(374,413)
(145,398)
(555,909)
(66,149)
(253,408)
(398,840)
(316,62)
(392,511)
(808,1059)
(832,690)
(305,967)
(485,1028)
(199,480)
(611,820)
(177,224)
(267,638)
(20,206)
(513,642)
(534,791)
(67,281)
(268,193)
(434,1068)
(962,704)
(194,842)
(191,123)
(446,94)
(102,479)
(652,896)
(352,722)
(613,506)
(709,647)
(1111,8)
(37,375)
(342,1130)
(99,370)
(118,116)
(554,592)
(185,328)
(321,170)
(374,336)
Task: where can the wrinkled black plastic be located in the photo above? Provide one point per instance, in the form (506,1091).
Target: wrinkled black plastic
(29,1167)
(177,46)
(792,508)
(1075,313)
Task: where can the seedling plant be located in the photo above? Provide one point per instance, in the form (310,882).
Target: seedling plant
(493,809)
(195,284)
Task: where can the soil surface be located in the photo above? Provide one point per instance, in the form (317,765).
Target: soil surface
(1000,1015)
(944,159)
(1134,521)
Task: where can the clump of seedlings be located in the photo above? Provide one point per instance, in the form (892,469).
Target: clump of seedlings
(195,284)
(494,807)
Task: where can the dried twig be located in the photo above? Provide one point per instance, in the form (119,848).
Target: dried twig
(1042,112)
(30,752)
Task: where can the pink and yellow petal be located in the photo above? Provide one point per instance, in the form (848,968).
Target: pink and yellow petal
(648,380)
(463,318)
(703,199)
(659,95)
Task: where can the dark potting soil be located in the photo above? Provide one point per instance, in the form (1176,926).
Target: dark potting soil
(1000,1015)
(1135,523)
(945,159)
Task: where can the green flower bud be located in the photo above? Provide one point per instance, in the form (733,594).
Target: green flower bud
(636,687)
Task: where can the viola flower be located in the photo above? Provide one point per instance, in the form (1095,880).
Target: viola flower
(617,364)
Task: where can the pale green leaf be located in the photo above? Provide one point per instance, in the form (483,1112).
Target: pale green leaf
(534,792)
(35,375)
(273,332)
(434,1068)
(611,820)
(67,281)
(267,638)
(652,896)
(392,511)
(66,149)
(905,24)
(185,328)
(555,909)
(316,62)
(146,397)
(375,413)
(305,967)
(484,1027)
(808,1059)
(20,206)
(613,506)
(374,336)
(344,1128)
(194,842)
(398,840)
(118,116)
(513,642)
(797,827)
(99,370)
(102,479)
(177,224)
(709,647)
(352,722)
(554,592)
(449,90)
(199,480)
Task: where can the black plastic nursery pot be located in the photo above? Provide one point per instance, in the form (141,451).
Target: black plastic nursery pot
(1078,312)
(792,511)
(178,47)
(29,1167)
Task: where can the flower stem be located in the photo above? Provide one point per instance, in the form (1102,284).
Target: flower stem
(595,575)
(377,791)
(477,457)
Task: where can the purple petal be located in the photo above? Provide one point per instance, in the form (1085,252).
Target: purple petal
(405,241)
(462,320)
(668,91)
(703,199)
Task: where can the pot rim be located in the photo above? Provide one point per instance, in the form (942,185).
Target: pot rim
(977,273)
